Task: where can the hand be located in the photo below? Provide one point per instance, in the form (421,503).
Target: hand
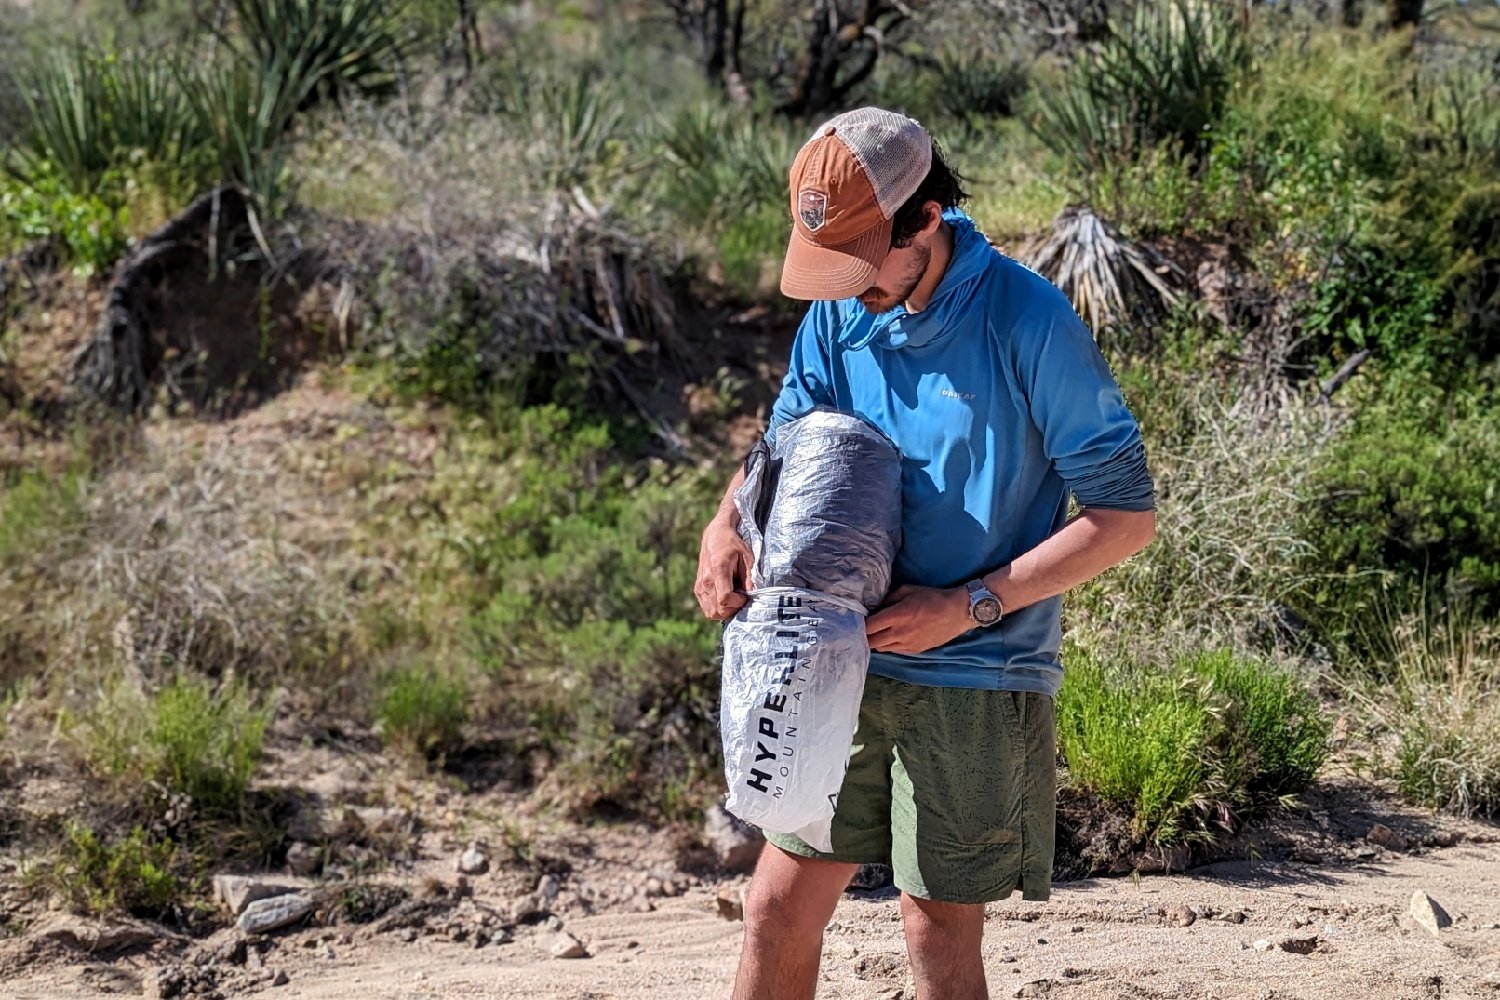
(916,619)
(724,562)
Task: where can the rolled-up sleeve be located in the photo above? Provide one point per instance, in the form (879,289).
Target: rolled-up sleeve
(807,384)
(1087,431)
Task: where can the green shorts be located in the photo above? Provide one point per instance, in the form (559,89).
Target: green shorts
(954,788)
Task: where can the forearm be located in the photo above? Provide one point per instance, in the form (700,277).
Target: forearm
(728,513)
(1086,546)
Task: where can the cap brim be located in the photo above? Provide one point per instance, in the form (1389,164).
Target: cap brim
(834,272)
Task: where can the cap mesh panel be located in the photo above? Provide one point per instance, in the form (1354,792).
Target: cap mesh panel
(894,151)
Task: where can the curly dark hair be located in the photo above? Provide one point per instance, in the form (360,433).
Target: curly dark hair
(942,184)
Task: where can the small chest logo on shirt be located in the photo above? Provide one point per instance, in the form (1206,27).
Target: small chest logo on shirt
(955,394)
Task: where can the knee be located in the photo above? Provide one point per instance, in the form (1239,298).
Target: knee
(774,912)
(925,919)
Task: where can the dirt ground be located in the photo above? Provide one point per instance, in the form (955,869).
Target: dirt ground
(1333,928)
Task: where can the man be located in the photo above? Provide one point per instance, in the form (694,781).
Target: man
(1002,406)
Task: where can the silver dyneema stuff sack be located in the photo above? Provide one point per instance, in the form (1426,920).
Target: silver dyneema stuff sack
(821,511)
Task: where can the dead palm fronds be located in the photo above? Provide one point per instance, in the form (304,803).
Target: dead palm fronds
(1109,279)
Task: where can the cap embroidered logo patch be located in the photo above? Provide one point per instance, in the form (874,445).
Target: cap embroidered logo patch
(812,206)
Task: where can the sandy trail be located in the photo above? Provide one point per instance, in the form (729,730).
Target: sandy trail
(1095,940)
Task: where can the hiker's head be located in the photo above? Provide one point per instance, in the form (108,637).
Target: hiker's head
(868,191)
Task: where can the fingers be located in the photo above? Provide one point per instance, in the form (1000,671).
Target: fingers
(721,576)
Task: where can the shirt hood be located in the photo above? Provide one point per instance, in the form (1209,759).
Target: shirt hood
(898,328)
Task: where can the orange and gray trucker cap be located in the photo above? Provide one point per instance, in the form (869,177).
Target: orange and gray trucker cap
(846,185)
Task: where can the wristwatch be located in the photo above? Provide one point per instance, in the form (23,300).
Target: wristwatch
(984,606)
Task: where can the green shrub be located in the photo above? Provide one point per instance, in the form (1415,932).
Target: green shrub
(1405,505)
(586,617)
(1165,73)
(1139,742)
(135,874)
(191,737)
(1471,288)
(1191,752)
(36,508)
(422,713)
(92,229)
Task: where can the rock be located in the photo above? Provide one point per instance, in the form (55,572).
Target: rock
(871,877)
(731,903)
(1306,855)
(565,945)
(238,891)
(301,858)
(230,951)
(547,888)
(553,922)
(1262,945)
(266,915)
(1182,915)
(473,861)
(1234,917)
(1429,913)
(654,887)
(1299,945)
(1386,837)
(98,936)
(641,904)
(735,843)
(1367,851)
(280,979)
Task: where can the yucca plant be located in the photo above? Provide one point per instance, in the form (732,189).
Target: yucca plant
(572,121)
(245,112)
(981,83)
(1164,74)
(722,164)
(1109,279)
(87,111)
(327,47)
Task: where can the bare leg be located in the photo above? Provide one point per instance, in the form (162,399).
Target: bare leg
(791,900)
(942,940)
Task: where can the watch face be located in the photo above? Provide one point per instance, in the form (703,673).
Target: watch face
(986,611)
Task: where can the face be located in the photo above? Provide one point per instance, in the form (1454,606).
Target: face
(897,278)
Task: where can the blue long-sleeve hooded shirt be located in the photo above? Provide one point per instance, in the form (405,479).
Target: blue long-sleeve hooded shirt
(1001,406)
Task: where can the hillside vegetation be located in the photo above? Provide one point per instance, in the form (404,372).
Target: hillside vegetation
(368,371)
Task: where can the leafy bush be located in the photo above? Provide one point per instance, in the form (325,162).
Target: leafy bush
(1191,752)
(1471,288)
(1405,504)
(35,508)
(587,618)
(422,713)
(134,874)
(91,229)
(191,737)
(1165,73)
